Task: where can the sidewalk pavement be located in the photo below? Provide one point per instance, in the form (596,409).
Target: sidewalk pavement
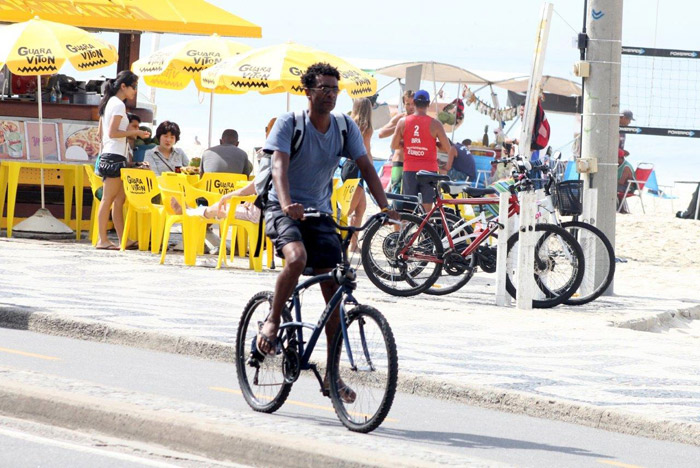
(628,362)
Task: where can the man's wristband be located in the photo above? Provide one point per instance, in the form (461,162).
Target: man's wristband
(385,209)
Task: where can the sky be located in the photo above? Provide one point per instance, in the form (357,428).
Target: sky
(498,36)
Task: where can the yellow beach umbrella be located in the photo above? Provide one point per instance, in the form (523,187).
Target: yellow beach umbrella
(278,69)
(38,47)
(178,65)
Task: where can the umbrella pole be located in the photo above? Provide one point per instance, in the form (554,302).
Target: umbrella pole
(435,91)
(41,138)
(211,115)
(42,224)
(288,105)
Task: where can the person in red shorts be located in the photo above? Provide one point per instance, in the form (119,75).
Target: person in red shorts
(417,135)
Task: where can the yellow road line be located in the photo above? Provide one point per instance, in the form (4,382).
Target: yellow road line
(24,353)
(614,463)
(295,403)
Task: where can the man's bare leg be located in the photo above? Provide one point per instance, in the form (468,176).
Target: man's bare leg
(295,256)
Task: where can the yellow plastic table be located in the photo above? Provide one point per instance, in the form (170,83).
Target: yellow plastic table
(72,178)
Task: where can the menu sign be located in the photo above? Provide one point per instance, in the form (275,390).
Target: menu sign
(50,143)
(11,140)
(81,142)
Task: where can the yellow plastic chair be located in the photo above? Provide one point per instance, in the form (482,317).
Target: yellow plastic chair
(230,223)
(343,197)
(220,182)
(192,226)
(140,187)
(193,193)
(95,185)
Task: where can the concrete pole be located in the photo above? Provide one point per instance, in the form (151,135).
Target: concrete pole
(601,111)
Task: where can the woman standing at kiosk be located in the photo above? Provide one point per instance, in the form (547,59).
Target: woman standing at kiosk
(114,123)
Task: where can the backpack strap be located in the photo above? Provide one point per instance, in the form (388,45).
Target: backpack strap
(341,120)
(298,127)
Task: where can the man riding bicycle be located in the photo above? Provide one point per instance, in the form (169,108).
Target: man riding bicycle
(306,181)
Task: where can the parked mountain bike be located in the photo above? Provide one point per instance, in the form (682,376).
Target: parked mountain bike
(364,369)
(408,261)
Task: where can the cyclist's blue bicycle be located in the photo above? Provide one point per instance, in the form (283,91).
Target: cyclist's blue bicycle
(364,366)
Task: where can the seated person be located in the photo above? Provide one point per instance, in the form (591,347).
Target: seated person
(625,173)
(460,163)
(226,157)
(165,157)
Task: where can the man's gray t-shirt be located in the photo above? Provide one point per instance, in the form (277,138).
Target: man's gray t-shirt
(225,158)
(311,169)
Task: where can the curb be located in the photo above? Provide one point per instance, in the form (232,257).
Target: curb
(511,401)
(662,320)
(182,432)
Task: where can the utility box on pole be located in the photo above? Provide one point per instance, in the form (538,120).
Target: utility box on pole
(601,112)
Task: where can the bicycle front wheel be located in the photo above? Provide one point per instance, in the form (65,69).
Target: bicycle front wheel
(262,383)
(599,255)
(559,266)
(362,392)
(402,275)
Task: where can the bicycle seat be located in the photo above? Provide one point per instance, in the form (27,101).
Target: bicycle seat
(430,177)
(480,192)
(453,188)
(401,197)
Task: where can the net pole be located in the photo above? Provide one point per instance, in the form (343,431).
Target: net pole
(601,111)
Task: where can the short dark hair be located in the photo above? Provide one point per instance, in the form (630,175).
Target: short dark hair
(229,135)
(167,126)
(308,79)
(132,117)
(466,142)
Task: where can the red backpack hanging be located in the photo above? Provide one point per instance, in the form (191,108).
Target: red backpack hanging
(540,131)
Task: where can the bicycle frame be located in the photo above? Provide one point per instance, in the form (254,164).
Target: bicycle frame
(493,225)
(299,324)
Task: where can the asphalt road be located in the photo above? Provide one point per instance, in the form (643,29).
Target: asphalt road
(31,445)
(423,423)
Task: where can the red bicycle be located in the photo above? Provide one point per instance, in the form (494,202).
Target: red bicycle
(439,246)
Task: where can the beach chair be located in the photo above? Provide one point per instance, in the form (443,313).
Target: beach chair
(635,186)
(483,170)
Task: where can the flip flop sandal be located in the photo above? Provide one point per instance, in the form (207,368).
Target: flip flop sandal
(133,246)
(347,394)
(108,247)
(271,343)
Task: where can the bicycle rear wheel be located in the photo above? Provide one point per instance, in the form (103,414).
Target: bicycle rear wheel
(559,265)
(599,255)
(372,380)
(262,383)
(410,274)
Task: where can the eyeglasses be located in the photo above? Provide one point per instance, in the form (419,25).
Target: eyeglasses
(327,90)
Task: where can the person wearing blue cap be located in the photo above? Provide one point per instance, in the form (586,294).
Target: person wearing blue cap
(417,135)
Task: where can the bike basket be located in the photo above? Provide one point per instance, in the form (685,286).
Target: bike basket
(568,197)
